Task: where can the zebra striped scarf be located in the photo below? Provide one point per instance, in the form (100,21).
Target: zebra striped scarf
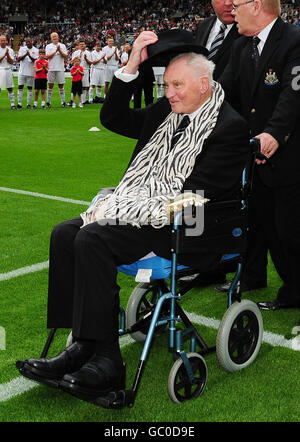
(157,173)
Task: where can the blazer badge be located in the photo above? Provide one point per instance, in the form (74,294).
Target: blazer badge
(271,78)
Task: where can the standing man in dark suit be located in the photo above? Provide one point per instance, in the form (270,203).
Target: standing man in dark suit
(217,33)
(208,154)
(260,81)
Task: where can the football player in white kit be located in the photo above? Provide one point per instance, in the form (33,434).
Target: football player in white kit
(112,60)
(97,72)
(85,61)
(27,56)
(56,53)
(6,62)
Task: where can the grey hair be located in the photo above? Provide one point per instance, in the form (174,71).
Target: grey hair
(200,64)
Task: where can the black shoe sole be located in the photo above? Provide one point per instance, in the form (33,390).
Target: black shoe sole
(36,375)
(86,394)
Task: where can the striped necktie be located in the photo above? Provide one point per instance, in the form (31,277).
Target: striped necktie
(217,42)
(180,129)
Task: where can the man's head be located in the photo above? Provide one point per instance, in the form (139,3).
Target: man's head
(3,41)
(127,47)
(54,38)
(252,16)
(188,82)
(82,45)
(28,42)
(98,47)
(110,42)
(42,54)
(223,10)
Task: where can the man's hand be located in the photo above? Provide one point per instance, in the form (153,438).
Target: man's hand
(139,51)
(268,146)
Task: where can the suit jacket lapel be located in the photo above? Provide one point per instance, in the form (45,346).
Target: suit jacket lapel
(269,47)
(204,36)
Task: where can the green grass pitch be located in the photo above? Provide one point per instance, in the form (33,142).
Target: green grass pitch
(52,152)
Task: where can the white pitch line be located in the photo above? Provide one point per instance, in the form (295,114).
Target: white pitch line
(24,270)
(42,195)
(20,385)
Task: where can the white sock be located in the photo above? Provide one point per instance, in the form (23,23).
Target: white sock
(98,92)
(49,95)
(20,96)
(62,95)
(91,93)
(83,96)
(35,103)
(29,96)
(43,103)
(11,96)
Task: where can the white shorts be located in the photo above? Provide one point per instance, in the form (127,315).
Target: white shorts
(25,80)
(86,78)
(6,79)
(56,76)
(109,73)
(97,77)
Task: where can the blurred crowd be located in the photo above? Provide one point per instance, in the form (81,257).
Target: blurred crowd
(95,20)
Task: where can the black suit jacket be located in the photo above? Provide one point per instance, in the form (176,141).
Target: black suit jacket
(223,54)
(269,99)
(218,167)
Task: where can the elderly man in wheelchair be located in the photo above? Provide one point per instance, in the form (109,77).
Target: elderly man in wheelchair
(179,208)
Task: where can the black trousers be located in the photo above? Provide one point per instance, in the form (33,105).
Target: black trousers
(278,217)
(148,94)
(83,293)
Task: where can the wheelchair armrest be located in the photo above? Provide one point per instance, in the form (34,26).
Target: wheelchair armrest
(176,207)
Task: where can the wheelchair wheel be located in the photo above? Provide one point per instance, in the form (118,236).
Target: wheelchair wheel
(180,388)
(141,303)
(239,336)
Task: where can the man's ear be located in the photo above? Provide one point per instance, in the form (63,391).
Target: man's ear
(204,84)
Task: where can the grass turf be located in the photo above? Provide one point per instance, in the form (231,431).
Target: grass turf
(53,152)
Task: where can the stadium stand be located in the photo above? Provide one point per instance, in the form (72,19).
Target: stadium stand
(94,20)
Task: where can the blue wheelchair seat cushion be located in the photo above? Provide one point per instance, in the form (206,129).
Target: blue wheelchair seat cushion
(161,267)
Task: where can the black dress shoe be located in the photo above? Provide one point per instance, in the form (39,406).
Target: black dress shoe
(51,371)
(244,287)
(274,305)
(96,378)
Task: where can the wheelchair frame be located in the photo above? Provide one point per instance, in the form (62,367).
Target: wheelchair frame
(174,313)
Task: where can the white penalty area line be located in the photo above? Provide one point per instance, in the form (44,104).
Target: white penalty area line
(43,195)
(24,270)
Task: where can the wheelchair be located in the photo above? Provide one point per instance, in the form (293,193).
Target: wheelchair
(153,306)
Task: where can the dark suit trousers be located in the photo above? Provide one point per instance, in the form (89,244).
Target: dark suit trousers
(83,292)
(278,210)
(148,94)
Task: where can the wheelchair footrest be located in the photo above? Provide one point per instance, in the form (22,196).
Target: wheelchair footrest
(117,399)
